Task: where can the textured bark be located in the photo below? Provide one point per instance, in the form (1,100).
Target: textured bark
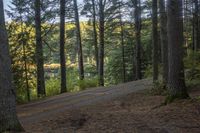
(196,26)
(101,42)
(164,42)
(8,117)
(137,16)
(176,79)
(79,43)
(39,51)
(155,39)
(95,34)
(62,47)
(25,60)
(26,73)
(122,44)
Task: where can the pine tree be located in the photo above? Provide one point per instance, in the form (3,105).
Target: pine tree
(137,16)
(176,79)
(101,41)
(39,50)
(8,116)
(163,36)
(155,39)
(79,41)
(62,47)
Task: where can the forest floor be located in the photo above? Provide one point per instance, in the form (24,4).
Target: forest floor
(126,108)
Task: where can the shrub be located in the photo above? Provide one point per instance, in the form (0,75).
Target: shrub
(192,65)
(52,87)
(148,71)
(87,83)
(158,89)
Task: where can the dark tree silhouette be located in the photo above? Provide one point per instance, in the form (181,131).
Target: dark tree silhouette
(155,39)
(79,42)
(137,15)
(101,41)
(8,117)
(163,36)
(176,79)
(94,21)
(39,51)
(62,47)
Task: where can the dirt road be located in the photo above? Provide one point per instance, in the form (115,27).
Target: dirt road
(37,111)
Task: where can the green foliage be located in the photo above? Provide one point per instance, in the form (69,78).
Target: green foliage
(192,83)
(87,83)
(192,65)
(158,89)
(148,71)
(52,87)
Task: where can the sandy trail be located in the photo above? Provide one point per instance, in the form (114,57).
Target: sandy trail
(40,110)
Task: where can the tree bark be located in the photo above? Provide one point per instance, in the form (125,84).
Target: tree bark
(62,47)
(164,43)
(155,39)
(196,26)
(25,60)
(176,79)
(137,16)
(122,44)
(39,51)
(95,34)
(101,42)
(8,117)
(79,43)
(26,72)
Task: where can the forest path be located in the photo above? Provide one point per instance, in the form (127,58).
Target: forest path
(44,109)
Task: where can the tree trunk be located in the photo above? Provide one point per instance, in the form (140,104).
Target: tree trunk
(101,42)
(26,72)
(95,34)
(137,16)
(79,43)
(39,51)
(62,47)
(176,79)
(155,39)
(196,26)
(122,43)
(8,117)
(25,60)
(164,43)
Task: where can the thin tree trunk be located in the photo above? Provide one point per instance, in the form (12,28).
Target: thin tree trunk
(186,25)
(137,16)
(176,79)
(196,26)
(39,51)
(25,62)
(79,43)
(155,39)
(95,34)
(26,73)
(8,116)
(62,47)
(164,43)
(101,42)
(193,33)
(122,44)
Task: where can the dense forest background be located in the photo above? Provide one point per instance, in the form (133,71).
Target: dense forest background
(101,43)
(51,47)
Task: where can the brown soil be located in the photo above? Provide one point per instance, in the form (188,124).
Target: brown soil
(138,112)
